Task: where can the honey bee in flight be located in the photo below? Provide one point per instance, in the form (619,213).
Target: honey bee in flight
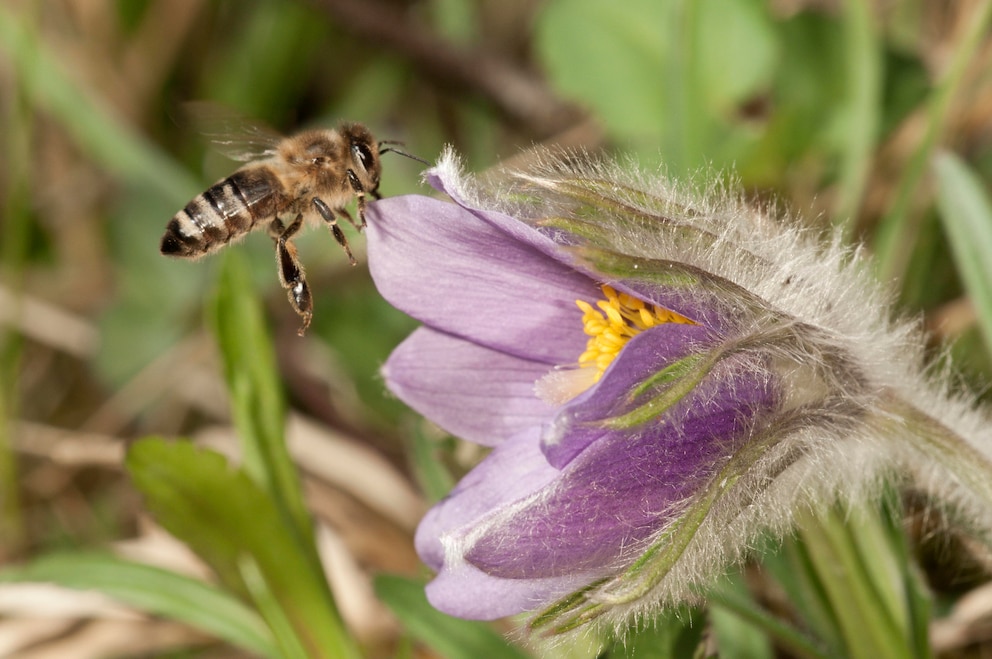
(313,174)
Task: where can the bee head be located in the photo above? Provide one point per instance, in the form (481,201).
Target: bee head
(363,153)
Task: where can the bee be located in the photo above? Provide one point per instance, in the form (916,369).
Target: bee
(313,174)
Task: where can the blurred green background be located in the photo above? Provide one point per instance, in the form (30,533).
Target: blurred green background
(836,110)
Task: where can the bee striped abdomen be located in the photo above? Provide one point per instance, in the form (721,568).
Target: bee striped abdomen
(226,210)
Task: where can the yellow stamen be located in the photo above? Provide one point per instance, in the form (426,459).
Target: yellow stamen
(613,322)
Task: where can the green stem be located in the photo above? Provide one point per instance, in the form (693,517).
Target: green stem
(867,618)
(964,463)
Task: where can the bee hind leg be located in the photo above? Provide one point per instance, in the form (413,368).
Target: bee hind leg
(329,217)
(291,274)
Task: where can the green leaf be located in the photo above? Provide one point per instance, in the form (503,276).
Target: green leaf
(237,528)
(256,392)
(966,213)
(860,580)
(451,638)
(664,77)
(736,48)
(792,569)
(155,591)
(587,63)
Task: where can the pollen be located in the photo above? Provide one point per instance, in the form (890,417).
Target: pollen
(612,322)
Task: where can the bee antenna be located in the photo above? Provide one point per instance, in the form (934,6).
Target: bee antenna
(390,149)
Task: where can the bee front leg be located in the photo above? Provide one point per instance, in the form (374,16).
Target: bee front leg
(343,212)
(359,189)
(328,215)
(291,274)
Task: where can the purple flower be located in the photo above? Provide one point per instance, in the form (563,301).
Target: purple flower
(598,441)
(661,377)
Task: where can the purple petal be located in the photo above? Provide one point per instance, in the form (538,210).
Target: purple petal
(513,470)
(644,355)
(459,274)
(471,391)
(466,592)
(513,227)
(696,302)
(616,494)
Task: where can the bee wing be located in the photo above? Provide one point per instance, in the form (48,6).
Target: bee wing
(234,135)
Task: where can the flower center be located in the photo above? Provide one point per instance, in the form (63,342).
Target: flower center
(613,322)
(609,325)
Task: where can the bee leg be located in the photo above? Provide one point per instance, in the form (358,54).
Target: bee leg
(291,274)
(359,189)
(328,215)
(343,212)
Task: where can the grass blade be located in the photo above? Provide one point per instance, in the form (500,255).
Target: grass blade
(863,62)
(966,213)
(898,229)
(154,590)
(105,137)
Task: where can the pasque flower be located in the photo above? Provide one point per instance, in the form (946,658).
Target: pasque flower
(660,376)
